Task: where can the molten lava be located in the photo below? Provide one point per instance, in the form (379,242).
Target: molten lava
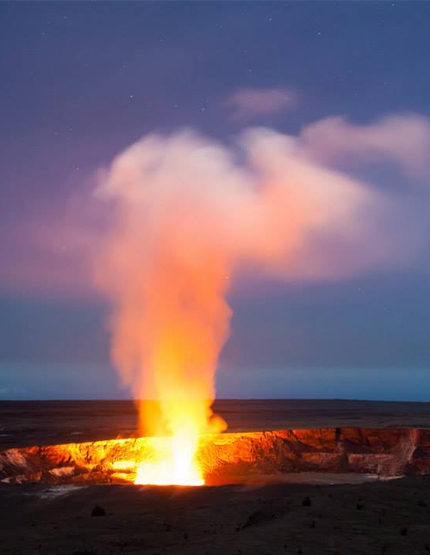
(174,463)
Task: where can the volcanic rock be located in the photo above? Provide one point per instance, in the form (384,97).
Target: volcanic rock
(98,511)
(231,457)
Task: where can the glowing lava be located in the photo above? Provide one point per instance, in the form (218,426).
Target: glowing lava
(174,463)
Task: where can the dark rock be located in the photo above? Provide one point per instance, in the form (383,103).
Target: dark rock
(98,511)
(258,517)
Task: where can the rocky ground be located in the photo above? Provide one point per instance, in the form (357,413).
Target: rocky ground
(345,519)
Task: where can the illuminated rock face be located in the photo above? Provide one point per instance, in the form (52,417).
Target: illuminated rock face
(230,458)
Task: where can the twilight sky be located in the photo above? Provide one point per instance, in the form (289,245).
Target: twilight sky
(80,82)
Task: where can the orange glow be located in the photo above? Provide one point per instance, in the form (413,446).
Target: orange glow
(186,219)
(174,464)
(244,457)
(168,330)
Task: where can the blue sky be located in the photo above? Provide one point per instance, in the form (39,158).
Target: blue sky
(82,81)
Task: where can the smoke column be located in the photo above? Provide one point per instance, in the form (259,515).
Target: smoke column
(188,216)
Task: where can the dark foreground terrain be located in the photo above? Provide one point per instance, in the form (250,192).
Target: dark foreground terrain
(370,518)
(316,517)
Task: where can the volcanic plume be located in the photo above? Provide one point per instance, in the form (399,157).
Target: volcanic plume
(189,214)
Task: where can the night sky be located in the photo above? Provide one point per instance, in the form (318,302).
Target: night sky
(79,82)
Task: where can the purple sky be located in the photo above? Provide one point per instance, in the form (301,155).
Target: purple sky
(82,81)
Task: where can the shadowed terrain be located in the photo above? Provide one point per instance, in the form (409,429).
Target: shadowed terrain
(372,518)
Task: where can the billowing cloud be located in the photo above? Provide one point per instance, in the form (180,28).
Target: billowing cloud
(403,140)
(284,205)
(246,103)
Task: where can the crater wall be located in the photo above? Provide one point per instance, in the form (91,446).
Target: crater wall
(231,457)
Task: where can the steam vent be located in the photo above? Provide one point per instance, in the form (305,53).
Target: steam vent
(230,457)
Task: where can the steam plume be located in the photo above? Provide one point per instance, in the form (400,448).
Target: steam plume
(188,218)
